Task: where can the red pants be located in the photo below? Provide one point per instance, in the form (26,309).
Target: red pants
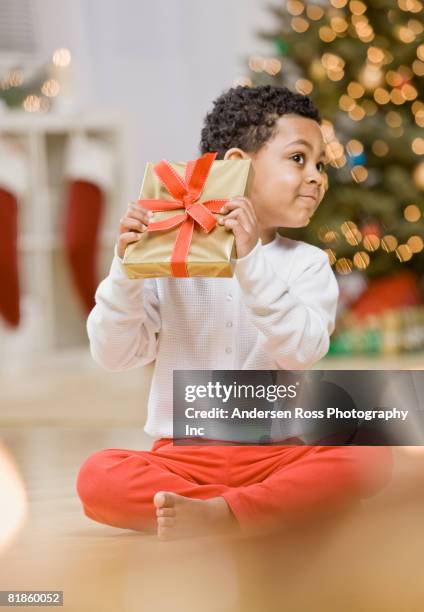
(261,484)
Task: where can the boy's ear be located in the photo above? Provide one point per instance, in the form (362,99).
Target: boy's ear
(235,153)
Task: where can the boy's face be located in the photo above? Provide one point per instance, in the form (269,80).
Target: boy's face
(289,176)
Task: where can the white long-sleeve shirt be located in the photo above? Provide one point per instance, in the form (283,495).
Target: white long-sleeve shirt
(276,312)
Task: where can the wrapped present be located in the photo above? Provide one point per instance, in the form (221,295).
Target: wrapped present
(184,238)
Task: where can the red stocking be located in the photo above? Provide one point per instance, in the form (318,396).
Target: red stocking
(9,278)
(82,221)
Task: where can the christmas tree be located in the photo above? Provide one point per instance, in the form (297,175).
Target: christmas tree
(363,66)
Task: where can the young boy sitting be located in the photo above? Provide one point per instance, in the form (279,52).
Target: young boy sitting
(277,312)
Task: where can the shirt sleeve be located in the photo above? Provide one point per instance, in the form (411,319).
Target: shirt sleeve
(296,316)
(124,324)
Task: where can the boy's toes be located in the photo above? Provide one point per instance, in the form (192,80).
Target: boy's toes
(163,499)
(165,512)
(166,521)
(165,533)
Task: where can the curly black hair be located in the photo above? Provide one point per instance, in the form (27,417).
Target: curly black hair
(246,117)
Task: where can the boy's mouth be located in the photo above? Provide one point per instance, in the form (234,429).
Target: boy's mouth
(310,200)
(309,196)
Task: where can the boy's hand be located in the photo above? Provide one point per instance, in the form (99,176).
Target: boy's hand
(241,218)
(132,226)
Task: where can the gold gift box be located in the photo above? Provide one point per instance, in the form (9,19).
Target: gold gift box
(211,254)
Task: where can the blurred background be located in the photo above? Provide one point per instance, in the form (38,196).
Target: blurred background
(90,91)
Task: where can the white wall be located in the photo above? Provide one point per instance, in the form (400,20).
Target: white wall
(161,62)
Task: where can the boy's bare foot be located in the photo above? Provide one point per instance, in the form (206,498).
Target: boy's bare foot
(182,517)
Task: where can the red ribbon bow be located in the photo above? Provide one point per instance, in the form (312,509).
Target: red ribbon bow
(186,193)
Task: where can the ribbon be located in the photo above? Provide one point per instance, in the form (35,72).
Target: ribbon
(185,192)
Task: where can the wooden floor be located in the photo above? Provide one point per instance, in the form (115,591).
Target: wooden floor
(372,560)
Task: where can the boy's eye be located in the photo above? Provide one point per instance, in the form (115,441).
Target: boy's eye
(297,156)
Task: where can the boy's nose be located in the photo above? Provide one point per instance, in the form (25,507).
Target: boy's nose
(315,176)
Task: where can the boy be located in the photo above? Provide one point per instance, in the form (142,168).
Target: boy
(277,312)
